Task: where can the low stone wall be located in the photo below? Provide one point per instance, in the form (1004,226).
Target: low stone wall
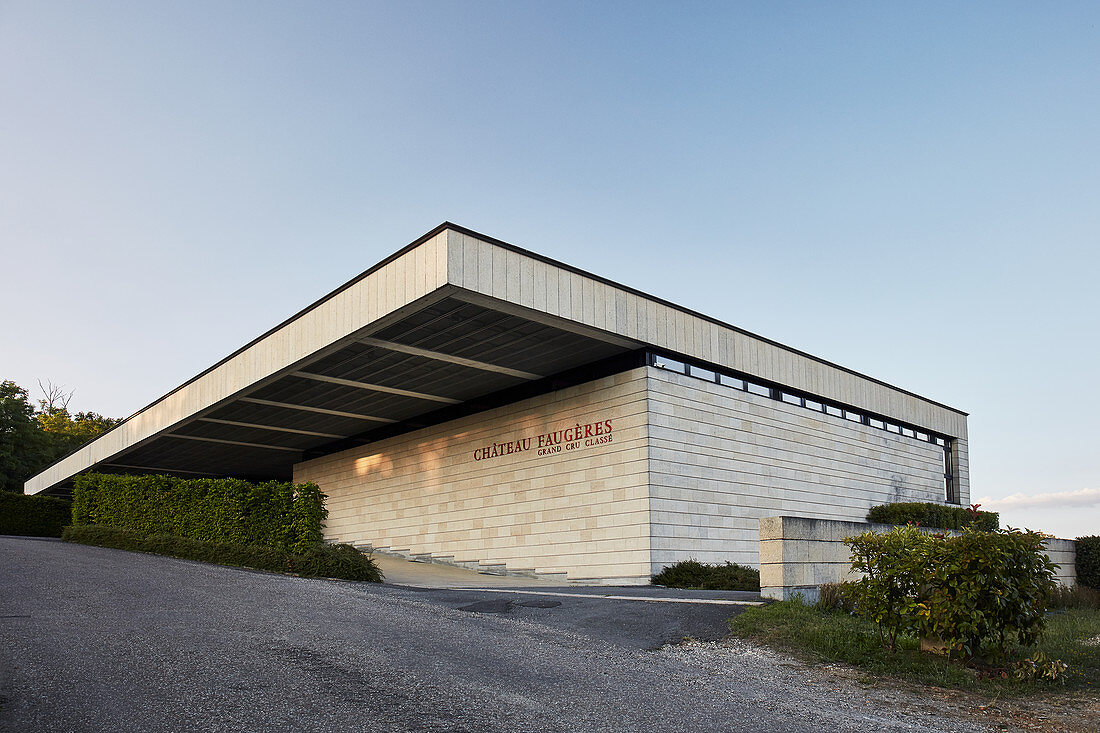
(799,555)
(1064,554)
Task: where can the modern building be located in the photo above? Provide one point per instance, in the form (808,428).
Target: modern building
(471,401)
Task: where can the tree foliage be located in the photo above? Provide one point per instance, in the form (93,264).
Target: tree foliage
(66,432)
(1088,561)
(32,438)
(22,443)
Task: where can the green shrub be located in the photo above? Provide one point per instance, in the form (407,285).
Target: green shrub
(697,575)
(1088,561)
(33,516)
(1041,668)
(890,593)
(989,587)
(327,561)
(335,561)
(275,514)
(937,516)
(974,592)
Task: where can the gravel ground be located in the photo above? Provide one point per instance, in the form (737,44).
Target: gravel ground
(105,640)
(847,689)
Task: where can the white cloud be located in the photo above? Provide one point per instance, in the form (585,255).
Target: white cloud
(1054,499)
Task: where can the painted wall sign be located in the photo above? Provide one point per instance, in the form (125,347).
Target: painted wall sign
(547,444)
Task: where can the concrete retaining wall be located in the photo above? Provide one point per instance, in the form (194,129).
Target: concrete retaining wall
(800,554)
(1064,554)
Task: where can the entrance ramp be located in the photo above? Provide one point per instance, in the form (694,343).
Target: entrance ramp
(422,574)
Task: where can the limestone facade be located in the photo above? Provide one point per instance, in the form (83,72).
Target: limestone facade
(677,468)
(581,507)
(720,459)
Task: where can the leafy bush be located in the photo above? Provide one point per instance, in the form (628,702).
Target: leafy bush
(1088,561)
(933,515)
(275,514)
(974,591)
(327,561)
(890,593)
(1040,667)
(33,516)
(989,586)
(694,574)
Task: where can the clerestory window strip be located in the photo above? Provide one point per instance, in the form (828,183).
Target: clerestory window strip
(752,385)
(790,396)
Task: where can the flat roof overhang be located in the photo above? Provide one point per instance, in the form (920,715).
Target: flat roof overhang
(451,318)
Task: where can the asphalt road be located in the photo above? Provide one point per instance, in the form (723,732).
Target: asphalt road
(104,640)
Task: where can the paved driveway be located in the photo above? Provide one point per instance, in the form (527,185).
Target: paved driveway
(105,640)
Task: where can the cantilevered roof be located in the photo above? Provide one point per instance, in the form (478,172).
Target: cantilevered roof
(451,318)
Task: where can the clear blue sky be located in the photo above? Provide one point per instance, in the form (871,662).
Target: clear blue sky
(910,190)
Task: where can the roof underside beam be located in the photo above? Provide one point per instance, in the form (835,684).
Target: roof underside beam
(440,356)
(271,427)
(158,469)
(375,387)
(232,442)
(319,410)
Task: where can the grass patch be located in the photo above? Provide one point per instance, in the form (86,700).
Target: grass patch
(819,635)
(323,561)
(1076,597)
(704,576)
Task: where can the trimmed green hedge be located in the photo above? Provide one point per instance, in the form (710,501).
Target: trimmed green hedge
(695,574)
(33,516)
(273,514)
(1088,561)
(325,561)
(933,515)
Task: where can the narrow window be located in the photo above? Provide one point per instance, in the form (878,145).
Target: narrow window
(759,389)
(729,381)
(701,373)
(949,486)
(663,362)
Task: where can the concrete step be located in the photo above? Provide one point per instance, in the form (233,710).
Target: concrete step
(477,566)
